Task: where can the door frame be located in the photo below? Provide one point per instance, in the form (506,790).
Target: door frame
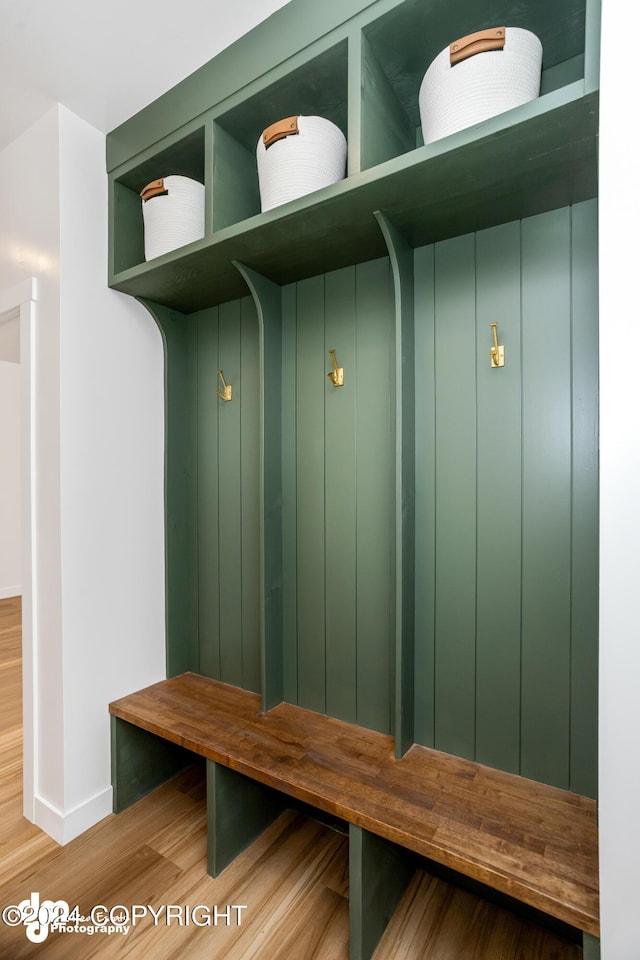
(23,297)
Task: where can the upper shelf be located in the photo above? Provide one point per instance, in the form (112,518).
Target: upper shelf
(504,169)
(363,74)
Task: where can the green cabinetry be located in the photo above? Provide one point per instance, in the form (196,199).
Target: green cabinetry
(415,551)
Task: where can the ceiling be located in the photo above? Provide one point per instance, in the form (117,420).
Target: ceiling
(105,61)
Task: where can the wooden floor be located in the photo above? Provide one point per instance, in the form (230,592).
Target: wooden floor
(293,880)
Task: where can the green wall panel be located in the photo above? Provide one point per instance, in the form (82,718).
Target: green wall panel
(375,468)
(208,494)
(310,506)
(228,494)
(340,497)
(229,497)
(338,461)
(546,497)
(505,509)
(506,497)
(455,528)
(498,500)
(584,559)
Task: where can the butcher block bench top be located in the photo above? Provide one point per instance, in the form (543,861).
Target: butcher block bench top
(533,842)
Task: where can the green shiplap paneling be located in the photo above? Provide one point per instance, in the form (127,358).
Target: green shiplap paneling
(208,493)
(546,497)
(584,569)
(179,334)
(510,557)
(455,587)
(229,497)
(425,494)
(248,393)
(228,541)
(340,497)
(338,468)
(310,508)
(506,496)
(375,464)
(498,500)
(289,496)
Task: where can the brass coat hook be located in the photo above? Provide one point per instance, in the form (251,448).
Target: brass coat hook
(337,374)
(497,350)
(227,392)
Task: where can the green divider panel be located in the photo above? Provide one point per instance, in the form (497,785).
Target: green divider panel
(180,357)
(379,873)
(289,497)
(425,508)
(140,762)
(386,129)
(268,301)
(249,396)
(238,810)
(590,947)
(403,404)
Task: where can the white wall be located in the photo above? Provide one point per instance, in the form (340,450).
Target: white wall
(29,246)
(111,460)
(10,496)
(99,411)
(619,743)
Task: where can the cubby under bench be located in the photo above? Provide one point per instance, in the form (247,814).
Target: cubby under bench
(532,843)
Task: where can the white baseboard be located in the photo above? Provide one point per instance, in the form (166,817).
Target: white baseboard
(64,827)
(6,593)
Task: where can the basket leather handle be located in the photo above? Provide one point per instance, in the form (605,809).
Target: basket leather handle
(278,131)
(480,42)
(154,189)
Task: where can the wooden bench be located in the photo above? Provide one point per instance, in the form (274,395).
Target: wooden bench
(532,842)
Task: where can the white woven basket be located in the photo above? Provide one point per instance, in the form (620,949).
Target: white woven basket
(489,74)
(173,214)
(298,155)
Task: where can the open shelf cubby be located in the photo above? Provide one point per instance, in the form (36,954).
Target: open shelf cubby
(398,46)
(183,156)
(316,87)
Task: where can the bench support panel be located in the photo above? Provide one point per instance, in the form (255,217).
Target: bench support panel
(238,810)
(379,872)
(590,947)
(140,762)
